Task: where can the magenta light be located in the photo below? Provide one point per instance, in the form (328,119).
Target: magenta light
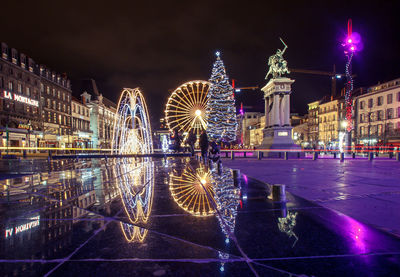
(349,40)
(352,48)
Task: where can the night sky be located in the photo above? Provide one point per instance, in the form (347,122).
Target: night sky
(160,45)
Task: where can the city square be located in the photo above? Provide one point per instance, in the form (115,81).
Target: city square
(165,143)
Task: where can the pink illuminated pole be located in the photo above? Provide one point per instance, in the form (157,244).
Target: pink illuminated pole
(351,44)
(349,52)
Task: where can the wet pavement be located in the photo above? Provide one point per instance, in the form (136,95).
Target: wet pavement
(364,190)
(174,217)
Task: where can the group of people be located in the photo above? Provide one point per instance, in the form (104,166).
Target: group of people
(208,149)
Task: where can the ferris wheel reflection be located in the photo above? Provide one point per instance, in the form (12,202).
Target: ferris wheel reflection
(203,192)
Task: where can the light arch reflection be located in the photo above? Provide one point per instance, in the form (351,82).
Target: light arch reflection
(136,189)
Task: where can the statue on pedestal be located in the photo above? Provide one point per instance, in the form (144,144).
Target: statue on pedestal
(277,64)
(277,133)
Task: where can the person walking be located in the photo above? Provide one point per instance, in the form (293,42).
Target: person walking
(191,140)
(178,141)
(203,145)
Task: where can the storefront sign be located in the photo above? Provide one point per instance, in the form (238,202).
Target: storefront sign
(23,227)
(20,98)
(24,126)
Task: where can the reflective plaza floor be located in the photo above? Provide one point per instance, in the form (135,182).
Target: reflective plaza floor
(172,217)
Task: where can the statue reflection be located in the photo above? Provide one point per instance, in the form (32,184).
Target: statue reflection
(136,188)
(286,225)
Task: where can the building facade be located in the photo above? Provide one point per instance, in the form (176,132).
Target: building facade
(313,124)
(250,121)
(80,116)
(378,114)
(102,115)
(20,119)
(55,98)
(328,124)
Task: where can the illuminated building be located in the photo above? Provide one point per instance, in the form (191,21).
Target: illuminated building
(19,99)
(378,114)
(80,116)
(102,112)
(55,99)
(313,108)
(251,121)
(328,123)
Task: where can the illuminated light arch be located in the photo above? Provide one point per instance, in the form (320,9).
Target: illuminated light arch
(186,107)
(132,130)
(136,188)
(189,191)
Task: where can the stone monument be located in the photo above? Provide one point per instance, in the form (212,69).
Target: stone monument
(278,130)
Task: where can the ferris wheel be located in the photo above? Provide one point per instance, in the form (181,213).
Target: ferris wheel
(186,107)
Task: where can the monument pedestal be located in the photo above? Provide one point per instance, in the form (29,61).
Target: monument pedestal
(278,132)
(278,138)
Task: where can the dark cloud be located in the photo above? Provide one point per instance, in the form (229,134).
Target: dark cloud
(158,45)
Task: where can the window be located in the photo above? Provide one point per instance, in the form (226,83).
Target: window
(361,118)
(28,91)
(398,96)
(58,94)
(370,117)
(362,105)
(390,98)
(389,113)
(379,115)
(370,102)
(54,105)
(48,103)
(11,85)
(380,129)
(48,90)
(54,92)
(380,100)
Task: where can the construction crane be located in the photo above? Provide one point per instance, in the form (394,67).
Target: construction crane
(242,88)
(334,75)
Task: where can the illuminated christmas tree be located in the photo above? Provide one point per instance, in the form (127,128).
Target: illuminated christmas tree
(221,110)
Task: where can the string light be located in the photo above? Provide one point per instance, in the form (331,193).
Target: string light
(132,130)
(136,189)
(189,191)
